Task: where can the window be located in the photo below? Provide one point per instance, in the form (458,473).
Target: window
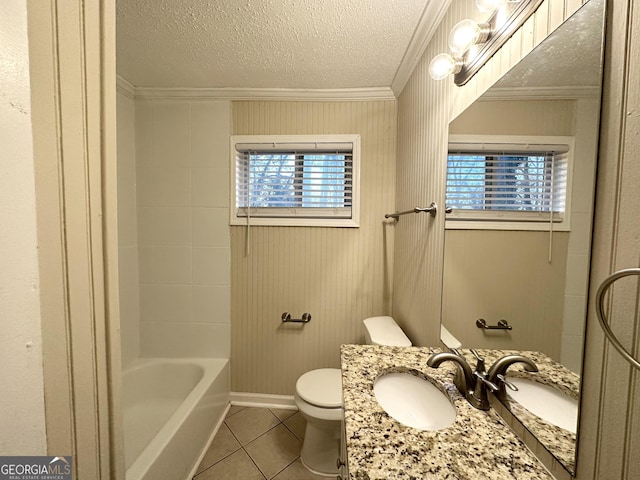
(519,180)
(295,180)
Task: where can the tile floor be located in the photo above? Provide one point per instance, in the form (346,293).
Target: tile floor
(257,444)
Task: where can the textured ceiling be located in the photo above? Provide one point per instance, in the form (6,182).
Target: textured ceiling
(570,57)
(305,44)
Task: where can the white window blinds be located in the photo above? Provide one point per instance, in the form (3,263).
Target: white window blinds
(513,181)
(283,179)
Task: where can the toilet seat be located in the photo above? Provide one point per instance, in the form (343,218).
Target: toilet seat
(322,387)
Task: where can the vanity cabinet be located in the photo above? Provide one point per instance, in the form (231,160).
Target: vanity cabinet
(343,468)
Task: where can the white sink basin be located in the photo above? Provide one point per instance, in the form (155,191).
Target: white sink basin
(414,401)
(546,402)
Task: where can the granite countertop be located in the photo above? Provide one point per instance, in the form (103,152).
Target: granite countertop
(559,442)
(478,445)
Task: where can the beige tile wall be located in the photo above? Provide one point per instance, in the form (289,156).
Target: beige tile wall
(182,149)
(127,229)
(339,275)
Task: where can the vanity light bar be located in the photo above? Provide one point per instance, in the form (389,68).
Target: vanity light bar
(465,61)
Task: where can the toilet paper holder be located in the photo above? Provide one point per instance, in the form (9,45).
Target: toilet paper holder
(286,317)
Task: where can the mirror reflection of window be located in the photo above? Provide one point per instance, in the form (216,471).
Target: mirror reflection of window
(517,182)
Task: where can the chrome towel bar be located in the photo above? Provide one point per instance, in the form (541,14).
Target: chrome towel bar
(602,289)
(431,210)
(502,325)
(286,317)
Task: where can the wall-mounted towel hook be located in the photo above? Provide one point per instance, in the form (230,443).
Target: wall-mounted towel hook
(286,318)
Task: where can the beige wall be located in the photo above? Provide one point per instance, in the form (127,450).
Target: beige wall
(22,414)
(182,160)
(339,275)
(517,117)
(495,275)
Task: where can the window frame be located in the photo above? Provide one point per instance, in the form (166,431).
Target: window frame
(297,221)
(463,219)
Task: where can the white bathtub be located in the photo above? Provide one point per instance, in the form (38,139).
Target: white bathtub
(170,409)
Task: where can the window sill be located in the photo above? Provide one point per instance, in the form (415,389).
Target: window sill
(505,225)
(296,222)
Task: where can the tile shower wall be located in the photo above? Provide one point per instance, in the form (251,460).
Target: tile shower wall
(183,234)
(127,229)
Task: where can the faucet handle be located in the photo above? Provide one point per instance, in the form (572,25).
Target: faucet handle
(481,376)
(510,385)
(480,364)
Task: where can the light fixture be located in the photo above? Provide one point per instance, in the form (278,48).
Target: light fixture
(487,6)
(467,33)
(472,44)
(444,65)
(463,36)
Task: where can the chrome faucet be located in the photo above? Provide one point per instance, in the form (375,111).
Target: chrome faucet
(475,385)
(498,370)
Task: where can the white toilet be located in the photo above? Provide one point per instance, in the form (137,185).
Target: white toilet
(319,397)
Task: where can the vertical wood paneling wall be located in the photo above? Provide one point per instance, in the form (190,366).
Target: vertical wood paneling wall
(339,275)
(497,274)
(609,442)
(425,108)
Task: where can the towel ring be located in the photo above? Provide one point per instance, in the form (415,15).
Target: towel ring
(603,319)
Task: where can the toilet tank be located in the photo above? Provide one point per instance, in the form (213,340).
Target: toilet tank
(384,331)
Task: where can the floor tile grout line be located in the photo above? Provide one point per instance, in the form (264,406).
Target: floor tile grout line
(280,422)
(278,473)
(256,465)
(227,455)
(243,447)
(292,432)
(262,435)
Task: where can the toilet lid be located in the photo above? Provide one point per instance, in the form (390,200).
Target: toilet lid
(322,387)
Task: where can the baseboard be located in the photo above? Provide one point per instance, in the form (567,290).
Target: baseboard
(263,400)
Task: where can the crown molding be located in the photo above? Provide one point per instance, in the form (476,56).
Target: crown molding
(541,93)
(427,25)
(125,87)
(292,94)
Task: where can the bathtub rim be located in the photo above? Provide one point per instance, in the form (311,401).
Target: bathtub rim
(212,367)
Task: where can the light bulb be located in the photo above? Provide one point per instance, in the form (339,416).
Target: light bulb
(466,33)
(444,65)
(486,6)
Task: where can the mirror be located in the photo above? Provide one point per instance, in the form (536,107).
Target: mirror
(530,271)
